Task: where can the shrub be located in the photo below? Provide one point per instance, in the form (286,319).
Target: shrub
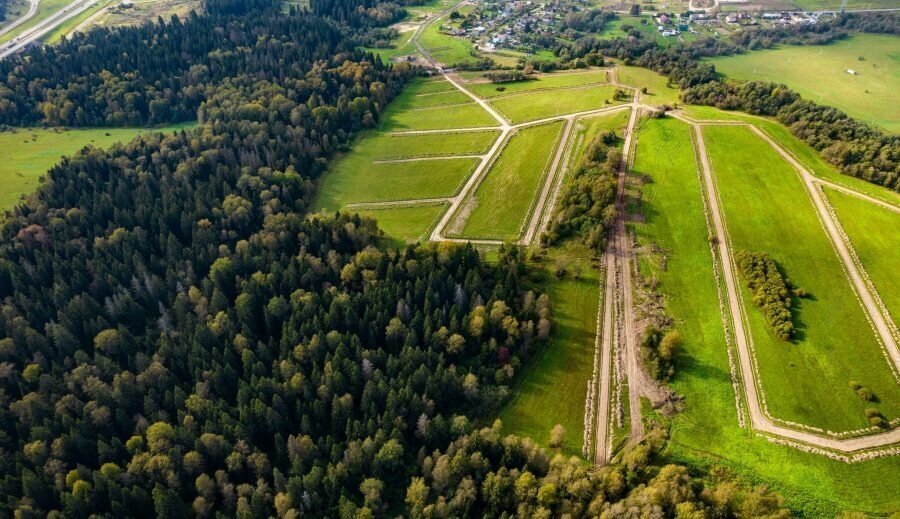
(771,291)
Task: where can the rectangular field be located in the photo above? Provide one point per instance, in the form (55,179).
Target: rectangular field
(768,210)
(487,89)
(406,224)
(380,146)
(552,388)
(819,74)
(504,199)
(356,178)
(658,90)
(435,118)
(875,234)
(532,106)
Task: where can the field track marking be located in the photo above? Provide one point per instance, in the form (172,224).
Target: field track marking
(398,203)
(425,159)
(759,421)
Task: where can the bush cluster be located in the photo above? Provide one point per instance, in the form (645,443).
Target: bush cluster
(771,291)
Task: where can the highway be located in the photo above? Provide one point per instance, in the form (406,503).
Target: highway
(32,10)
(46,26)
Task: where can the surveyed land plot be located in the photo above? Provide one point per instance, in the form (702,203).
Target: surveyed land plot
(486,89)
(819,73)
(805,381)
(658,90)
(405,224)
(531,106)
(875,234)
(429,104)
(387,146)
(357,179)
(505,197)
(805,153)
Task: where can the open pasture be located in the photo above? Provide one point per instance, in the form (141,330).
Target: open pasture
(486,89)
(405,224)
(658,90)
(875,234)
(446,49)
(819,73)
(505,197)
(356,178)
(385,146)
(531,106)
(29,152)
(768,210)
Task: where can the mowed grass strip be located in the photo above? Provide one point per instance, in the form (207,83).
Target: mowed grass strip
(706,432)
(405,224)
(27,153)
(355,178)
(819,74)
(553,386)
(385,146)
(486,89)
(806,154)
(875,234)
(658,90)
(532,106)
(468,115)
(768,210)
(505,197)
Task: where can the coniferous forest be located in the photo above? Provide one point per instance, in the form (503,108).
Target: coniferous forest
(180,337)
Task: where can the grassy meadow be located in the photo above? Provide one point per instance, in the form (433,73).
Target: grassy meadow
(505,197)
(405,224)
(519,108)
(552,388)
(658,91)
(818,73)
(27,153)
(767,210)
(487,89)
(875,234)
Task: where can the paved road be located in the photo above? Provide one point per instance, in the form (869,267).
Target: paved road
(758,418)
(32,10)
(47,25)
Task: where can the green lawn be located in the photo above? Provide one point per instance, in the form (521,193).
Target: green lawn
(875,234)
(768,210)
(402,45)
(406,224)
(388,146)
(804,153)
(355,178)
(414,111)
(531,106)
(818,73)
(541,81)
(444,48)
(506,196)
(28,153)
(658,91)
(706,432)
(553,385)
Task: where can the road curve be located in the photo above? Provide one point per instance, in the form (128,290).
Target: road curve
(32,10)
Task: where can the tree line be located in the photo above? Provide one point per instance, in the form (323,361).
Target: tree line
(772,292)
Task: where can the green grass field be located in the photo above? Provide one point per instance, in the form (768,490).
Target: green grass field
(658,91)
(818,73)
(706,432)
(804,153)
(406,224)
(486,89)
(29,152)
(446,49)
(387,146)
(503,200)
(355,178)
(552,387)
(531,106)
(875,234)
(768,210)
(406,114)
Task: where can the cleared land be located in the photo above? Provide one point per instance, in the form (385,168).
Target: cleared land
(551,391)
(658,90)
(468,115)
(402,225)
(768,210)
(541,82)
(356,178)
(29,152)
(875,234)
(503,200)
(445,48)
(385,146)
(818,73)
(806,154)
(531,106)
